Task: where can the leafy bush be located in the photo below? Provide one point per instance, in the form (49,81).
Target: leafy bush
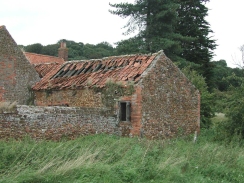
(206,97)
(232,104)
(235,112)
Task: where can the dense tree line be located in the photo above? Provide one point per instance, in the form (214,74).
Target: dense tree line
(77,51)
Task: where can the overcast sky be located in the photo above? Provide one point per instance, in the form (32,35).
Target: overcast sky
(89,21)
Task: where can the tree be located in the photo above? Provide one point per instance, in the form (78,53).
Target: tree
(130,46)
(233,103)
(104,49)
(156,21)
(234,110)
(34,48)
(176,26)
(206,110)
(220,72)
(50,49)
(192,24)
(77,51)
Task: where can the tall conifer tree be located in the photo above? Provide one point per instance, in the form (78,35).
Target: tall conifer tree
(192,23)
(176,26)
(156,20)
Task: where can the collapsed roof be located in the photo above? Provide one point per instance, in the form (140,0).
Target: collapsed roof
(95,72)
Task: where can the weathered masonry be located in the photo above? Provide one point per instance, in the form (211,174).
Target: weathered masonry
(54,123)
(130,95)
(147,94)
(17,75)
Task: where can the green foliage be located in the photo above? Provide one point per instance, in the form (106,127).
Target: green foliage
(113,91)
(177,27)
(221,99)
(156,21)
(221,71)
(226,82)
(103,158)
(224,77)
(77,51)
(130,46)
(206,97)
(231,102)
(233,81)
(199,46)
(34,48)
(51,49)
(235,112)
(80,51)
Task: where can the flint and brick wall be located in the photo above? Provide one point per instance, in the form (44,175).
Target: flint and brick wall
(88,98)
(165,104)
(170,103)
(67,97)
(55,122)
(16,73)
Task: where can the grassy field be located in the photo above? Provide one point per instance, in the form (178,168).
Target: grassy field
(105,159)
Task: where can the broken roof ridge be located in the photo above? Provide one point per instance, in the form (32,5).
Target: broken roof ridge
(115,56)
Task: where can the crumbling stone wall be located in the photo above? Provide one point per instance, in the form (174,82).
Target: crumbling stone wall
(16,73)
(170,103)
(54,123)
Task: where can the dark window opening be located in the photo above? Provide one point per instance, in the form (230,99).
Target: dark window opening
(124,111)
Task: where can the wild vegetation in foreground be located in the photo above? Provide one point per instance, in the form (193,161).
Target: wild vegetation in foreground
(104,158)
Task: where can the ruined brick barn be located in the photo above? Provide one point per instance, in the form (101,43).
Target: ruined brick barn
(137,95)
(146,94)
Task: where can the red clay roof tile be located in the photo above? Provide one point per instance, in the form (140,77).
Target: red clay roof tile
(94,72)
(43,69)
(42,59)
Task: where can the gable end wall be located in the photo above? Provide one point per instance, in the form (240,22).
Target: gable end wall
(170,103)
(17,74)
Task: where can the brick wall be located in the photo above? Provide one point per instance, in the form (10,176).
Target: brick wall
(170,103)
(67,97)
(55,122)
(17,74)
(89,98)
(63,51)
(164,103)
(136,115)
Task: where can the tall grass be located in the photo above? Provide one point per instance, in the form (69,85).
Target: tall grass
(103,158)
